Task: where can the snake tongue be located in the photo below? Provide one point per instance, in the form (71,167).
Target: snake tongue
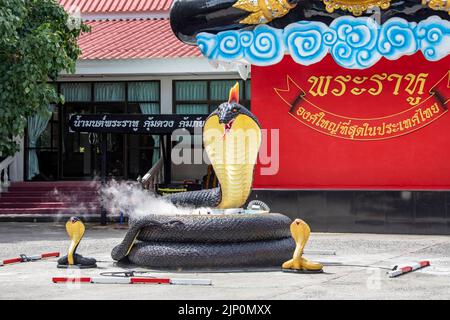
(227,127)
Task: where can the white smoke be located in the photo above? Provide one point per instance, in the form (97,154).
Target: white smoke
(136,202)
(74,203)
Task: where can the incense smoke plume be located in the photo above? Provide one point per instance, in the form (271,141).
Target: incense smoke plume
(136,202)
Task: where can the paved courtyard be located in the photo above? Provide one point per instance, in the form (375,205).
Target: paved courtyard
(346,273)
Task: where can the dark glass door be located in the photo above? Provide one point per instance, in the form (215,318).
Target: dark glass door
(116,160)
(81,156)
(142,151)
(78,148)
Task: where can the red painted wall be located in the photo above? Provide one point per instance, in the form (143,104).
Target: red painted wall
(401,133)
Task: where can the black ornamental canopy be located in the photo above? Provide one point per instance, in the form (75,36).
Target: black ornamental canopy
(157,124)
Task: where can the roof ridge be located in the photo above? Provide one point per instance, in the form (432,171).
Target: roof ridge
(125,19)
(133,38)
(123,6)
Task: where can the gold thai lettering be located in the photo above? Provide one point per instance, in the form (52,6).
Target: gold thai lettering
(407,124)
(316,117)
(435,108)
(324,123)
(359,80)
(369,129)
(412,84)
(377,78)
(416,83)
(300,111)
(341,80)
(413,101)
(344,127)
(320,85)
(333,127)
(381,129)
(399,78)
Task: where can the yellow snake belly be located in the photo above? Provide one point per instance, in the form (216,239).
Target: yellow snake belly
(233,156)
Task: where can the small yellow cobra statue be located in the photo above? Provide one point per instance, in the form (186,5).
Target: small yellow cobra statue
(75,229)
(300,232)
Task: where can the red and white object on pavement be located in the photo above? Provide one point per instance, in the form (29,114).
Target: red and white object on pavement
(132,280)
(407,269)
(25,258)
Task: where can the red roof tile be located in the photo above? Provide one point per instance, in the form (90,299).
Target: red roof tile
(128,39)
(96,6)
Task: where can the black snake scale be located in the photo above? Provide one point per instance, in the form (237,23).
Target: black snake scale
(185,255)
(211,241)
(207,241)
(201,198)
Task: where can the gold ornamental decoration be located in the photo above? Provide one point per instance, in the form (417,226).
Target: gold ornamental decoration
(263,11)
(356,7)
(441,5)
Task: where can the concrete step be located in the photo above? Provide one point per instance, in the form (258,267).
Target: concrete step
(55,211)
(44,198)
(50,198)
(47,192)
(51,189)
(31,205)
(55,183)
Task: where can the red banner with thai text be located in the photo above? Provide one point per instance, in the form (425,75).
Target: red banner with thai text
(385,127)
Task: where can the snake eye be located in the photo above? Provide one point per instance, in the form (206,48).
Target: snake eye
(74,219)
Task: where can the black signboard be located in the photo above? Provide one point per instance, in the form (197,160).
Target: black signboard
(136,123)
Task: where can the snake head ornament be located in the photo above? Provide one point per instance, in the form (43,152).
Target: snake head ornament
(232,138)
(75,230)
(229,111)
(300,231)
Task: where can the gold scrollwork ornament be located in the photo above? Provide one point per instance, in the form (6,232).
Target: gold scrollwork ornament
(263,11)
(356,7)
(441,5)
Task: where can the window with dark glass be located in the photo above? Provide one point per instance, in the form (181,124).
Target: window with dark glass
(42,145)
(203,96)
(53,152)
(143,150)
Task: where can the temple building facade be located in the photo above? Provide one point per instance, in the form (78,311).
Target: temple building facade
(354,110)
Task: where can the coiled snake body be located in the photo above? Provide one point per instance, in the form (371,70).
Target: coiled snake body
(232,137)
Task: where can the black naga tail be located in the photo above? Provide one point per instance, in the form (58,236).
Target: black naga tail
(190,17)
(202,198)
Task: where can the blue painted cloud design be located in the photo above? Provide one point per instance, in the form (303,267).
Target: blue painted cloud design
(354,43)
(433,36)
(306,43)
(267,46)
(355,47)
(397,38)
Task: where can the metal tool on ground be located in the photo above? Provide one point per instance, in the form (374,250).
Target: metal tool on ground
(26,258)
(130,277)
(300,232)
(406,269)
(75,229)
(320,252)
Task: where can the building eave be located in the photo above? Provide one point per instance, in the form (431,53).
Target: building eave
(153,67)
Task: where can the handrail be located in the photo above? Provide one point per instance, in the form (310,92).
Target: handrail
(153,175)
(4,172)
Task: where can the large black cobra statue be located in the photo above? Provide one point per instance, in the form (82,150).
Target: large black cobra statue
(232,137)
(190,17)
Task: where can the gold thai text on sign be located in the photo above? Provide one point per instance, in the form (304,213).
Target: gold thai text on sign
(412,84)
(430,106)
